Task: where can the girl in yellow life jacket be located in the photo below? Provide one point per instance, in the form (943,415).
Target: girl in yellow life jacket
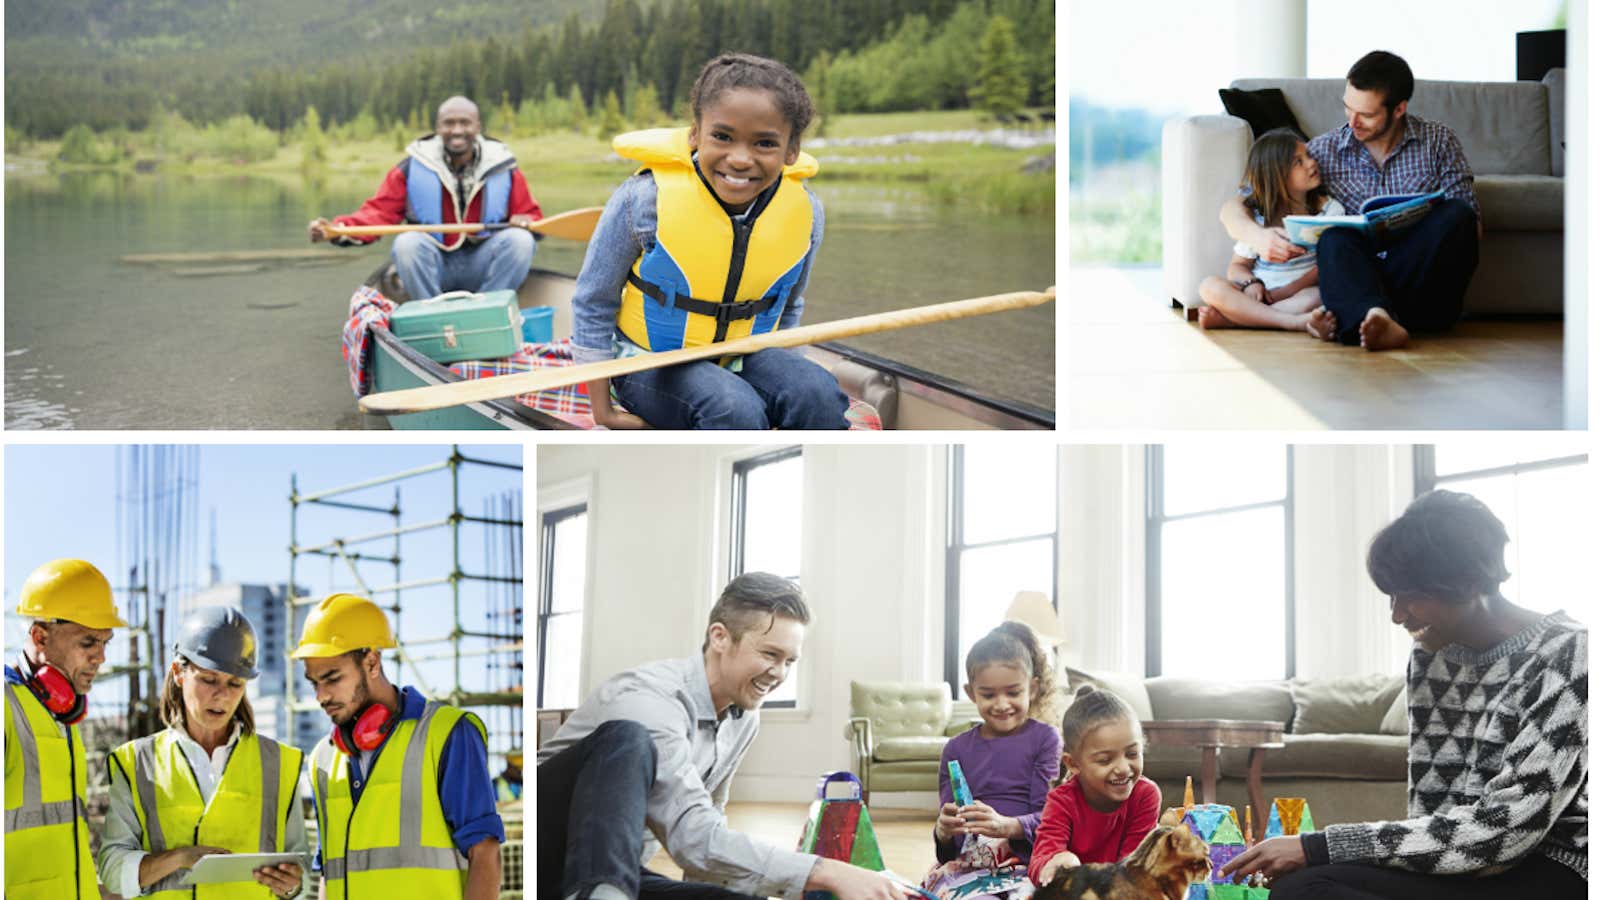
(206,784)
(712,239)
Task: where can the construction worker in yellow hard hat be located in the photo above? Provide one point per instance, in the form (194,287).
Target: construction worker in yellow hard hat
(394,758)
(208,783)
(70,611)
(508,784)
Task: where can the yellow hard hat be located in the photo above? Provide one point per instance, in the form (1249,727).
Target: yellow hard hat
(515,758)
(341,623)
(70,590)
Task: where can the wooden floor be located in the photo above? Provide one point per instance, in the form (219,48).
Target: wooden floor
(905,836)
(1134,362)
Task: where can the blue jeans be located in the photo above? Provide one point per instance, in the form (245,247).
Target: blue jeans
(775,388)
(1420,282)
(497,264)
(591,814)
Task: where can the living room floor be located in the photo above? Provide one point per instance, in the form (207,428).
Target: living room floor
(905,836)
(1134,362)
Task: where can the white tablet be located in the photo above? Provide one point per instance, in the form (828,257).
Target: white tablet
(224,867)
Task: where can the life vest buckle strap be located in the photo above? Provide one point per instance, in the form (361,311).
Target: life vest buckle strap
(723,313)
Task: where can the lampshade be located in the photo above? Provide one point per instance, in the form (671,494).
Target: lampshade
(1033,609)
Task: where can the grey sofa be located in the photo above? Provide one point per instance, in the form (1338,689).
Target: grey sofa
(1514,137)
(1344,742)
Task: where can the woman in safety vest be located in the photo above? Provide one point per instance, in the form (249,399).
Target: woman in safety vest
(712,239)
(208,783)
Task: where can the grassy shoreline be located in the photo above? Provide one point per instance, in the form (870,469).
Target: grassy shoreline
(991,177)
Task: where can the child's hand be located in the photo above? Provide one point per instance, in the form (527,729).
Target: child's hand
(981,818)
(1066,859)
(949,823)
(606,415)
(1258,292)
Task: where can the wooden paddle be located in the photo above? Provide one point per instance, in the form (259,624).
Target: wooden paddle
(574,225)
(455,393)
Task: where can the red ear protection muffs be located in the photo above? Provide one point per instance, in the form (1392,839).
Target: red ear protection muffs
(367,733)
(58,695)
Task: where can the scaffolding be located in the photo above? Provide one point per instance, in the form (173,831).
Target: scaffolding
(501,577)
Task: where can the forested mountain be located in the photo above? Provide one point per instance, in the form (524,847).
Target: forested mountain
(117,63)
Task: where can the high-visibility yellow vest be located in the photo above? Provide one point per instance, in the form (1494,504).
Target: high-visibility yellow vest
(707,279)
(395,841)
(47,824)
(248,813)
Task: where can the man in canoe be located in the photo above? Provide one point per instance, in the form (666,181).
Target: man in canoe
(455,175)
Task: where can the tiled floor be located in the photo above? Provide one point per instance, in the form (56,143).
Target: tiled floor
(1133,362)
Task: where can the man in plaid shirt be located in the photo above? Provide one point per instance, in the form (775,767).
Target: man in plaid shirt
(1376,292)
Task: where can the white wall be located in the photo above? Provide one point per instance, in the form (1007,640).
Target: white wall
(873,567)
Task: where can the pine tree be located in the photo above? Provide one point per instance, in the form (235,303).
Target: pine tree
(611,123)
(1002,87)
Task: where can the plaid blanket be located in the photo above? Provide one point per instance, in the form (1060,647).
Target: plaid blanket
(370,309)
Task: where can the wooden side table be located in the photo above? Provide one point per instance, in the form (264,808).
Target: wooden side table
(1210,735)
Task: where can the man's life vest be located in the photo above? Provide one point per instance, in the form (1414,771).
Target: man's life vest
(708,278)
(429,179)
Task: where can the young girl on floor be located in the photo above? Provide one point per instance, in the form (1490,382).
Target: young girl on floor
(1008,760)
(1106,806)
(712,239)
(1282,180)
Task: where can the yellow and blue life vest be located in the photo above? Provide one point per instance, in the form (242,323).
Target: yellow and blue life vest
(248,812)
(709,279)
(429,179)
(47,824)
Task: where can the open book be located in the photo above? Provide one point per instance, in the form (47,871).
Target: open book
(1379,216)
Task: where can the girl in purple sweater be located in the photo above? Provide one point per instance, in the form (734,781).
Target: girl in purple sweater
(1011,758)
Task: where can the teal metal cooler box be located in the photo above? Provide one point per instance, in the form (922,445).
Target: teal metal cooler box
(460,325)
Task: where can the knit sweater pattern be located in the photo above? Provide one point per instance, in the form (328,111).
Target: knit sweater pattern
(1499,759)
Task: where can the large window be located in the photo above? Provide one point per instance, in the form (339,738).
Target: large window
(564,552)
(766,530)
(1001,539)
(1531,490)
(1219,581)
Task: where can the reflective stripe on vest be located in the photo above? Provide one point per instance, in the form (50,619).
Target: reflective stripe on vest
(174,813)
(47,849)
(707,278)
(415,778)
(425,199)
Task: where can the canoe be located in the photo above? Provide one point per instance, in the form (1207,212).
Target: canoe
(904,396)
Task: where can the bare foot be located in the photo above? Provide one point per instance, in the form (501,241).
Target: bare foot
(1321,324)
(1211,317)
(1379,332)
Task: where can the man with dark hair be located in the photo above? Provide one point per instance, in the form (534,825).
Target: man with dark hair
(1375,292)
(1497,699)
(656,748)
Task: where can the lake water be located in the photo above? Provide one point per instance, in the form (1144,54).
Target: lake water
(94,342)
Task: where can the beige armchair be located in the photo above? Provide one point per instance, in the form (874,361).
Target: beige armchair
(897,732)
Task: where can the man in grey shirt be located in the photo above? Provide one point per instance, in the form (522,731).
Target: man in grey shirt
(654,750)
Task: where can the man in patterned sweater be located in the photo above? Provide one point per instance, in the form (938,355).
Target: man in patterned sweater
(1499,760)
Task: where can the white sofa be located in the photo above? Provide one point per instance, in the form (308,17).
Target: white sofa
(1514,138)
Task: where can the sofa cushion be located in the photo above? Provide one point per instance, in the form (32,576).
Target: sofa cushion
(1521,202)
(1131,688)
(1504,126)
(1365,756)
(1396,720)
(1342,705)
(1172,697)
(901,709)
(1262,110)
(906,749)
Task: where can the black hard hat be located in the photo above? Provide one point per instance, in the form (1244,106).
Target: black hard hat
(219,638)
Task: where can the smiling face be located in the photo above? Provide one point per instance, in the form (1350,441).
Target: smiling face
(1108,763)
(1431,620)
(1001,692)
(73,650)
(209,697)
(742,672)
(1369,119)
(744,142)
(458,125)
(341,685)
(1304,175)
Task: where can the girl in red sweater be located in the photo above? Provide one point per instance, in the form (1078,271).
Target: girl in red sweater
(1105,807)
